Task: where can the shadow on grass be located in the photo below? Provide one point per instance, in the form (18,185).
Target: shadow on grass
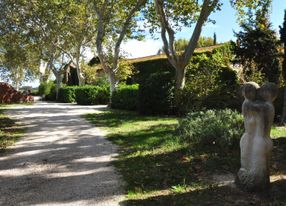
(224,195)
(9,131)
(116,118)
(153,160)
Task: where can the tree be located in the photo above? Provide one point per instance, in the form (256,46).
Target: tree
(60,30)
(283,40)
(19,60)
(163,9)
(115,21)
(205,42)
(181,44)
(174,14)
(259,64)
(82,25)
(214,39)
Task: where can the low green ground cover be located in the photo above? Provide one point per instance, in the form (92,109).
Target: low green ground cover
(9,130)
(160,169)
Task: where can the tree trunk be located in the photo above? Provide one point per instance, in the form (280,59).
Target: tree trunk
(58,84)
(17,85)
(179,86)
(78,70)
(113,85)
(80,82)
(180,78)
(113,82)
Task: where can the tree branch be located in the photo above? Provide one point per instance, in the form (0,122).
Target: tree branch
(166,28)
(123,31)
(207,8)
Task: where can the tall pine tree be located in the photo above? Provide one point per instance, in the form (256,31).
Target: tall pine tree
(257,49)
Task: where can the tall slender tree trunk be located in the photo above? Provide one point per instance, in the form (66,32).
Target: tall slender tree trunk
(180,78)
(113,82)
(113,85)
(58,75)
(179,85)
(78,71)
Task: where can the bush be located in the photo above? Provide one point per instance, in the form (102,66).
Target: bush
(125,97)
(52,96)
(156,94)
(212,131)
(146,68)
(48,90)
(45,88)
(67,94)
(90,95)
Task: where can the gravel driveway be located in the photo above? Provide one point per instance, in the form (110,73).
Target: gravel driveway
(62,160)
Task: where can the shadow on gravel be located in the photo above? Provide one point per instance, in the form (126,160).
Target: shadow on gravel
(63,160)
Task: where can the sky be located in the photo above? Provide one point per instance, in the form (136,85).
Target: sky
(224,28)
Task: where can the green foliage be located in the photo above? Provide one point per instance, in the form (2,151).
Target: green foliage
(205,41)
(46,88)
(214,39)
(259,64)
(52,95)
(248,9)
(210,82)
(125,97)
(125,69)
(150,66)
(155,78)
(212,131)
(90,95)
(156,94)
(67,94)
(181,44)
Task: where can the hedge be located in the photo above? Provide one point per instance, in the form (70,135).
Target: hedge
(67,94)
(90,95)
(125,97)
(156,94)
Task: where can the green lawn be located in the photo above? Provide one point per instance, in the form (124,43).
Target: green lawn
(9,130)
(160,170)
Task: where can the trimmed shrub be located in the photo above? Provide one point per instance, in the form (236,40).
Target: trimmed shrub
(67,94)
(212,131)
(156,94)
(146,68)
(125,97)
(46,88)
(90,95)
(52,96)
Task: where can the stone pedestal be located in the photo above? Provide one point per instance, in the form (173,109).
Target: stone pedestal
(256,144)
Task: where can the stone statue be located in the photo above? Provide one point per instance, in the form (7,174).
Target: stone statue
(256,144)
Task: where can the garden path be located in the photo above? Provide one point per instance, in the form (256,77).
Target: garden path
(61,160)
